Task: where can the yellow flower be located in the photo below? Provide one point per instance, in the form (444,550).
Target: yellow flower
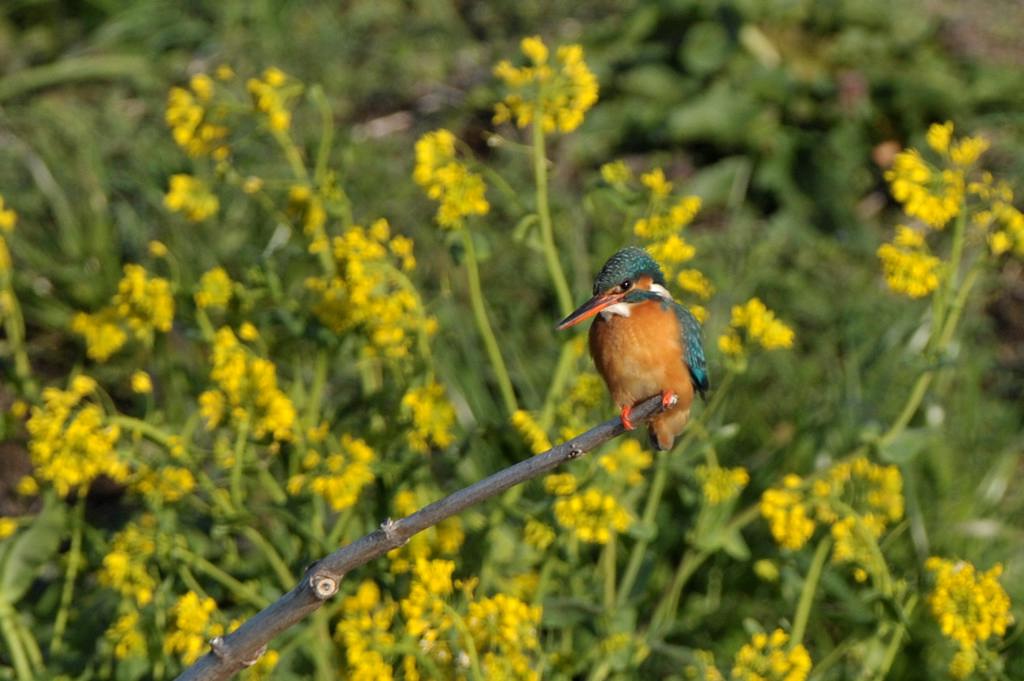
(364,631)
(190,195)
(671,251)
(340,477)
(157,249)
(126,566)
(196,122)
(656,182)
(970,606)
(616,173)
(592,516)
(667,222)
(168,484)
(247,389)
(248,332)
(271,96)
(557,98)
(191,627)
(70,442)
(7,527)
(908,265)
(142,383)
(694,281)
(102,333)
(8,218)
(504,632)
(720,485)
(215,289)
(627,462)
(787,513)
(431,418)
(562,484)
(538,534)
(767,657)
(755,323)
(939,135)
(531,431)
(144,302)
(730,343)
(459,192)
(126,637)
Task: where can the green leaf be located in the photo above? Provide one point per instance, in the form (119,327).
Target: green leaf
(22,554)
(905,447)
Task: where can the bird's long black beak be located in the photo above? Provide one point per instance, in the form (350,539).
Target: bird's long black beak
(589,309)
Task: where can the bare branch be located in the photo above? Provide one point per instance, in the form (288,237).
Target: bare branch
(241,648)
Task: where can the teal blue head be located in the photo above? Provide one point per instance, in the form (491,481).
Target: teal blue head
(631,269)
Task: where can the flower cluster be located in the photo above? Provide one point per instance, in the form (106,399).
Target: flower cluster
(197,123)
(142,306)
(754,323)
(126,565)
(593,516)
(556,95)
(720,485)
(271,96)
(970,607)
(124,634)
(767,657)
(364,631)
(191,197)
(627,462)
(430,416)
(215,289)
(308,209)
(908,265)
(370,292)
(531,432)
(338,477)
(8,218)
(857,499)
(168,483)
(246,392)
(71,441)
(447,180)
(191,627)
(443,539)
(504,630)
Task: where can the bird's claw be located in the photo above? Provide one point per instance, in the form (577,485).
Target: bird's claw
(627,420)
(668,399)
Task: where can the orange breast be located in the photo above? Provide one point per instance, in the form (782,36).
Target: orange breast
(641,355)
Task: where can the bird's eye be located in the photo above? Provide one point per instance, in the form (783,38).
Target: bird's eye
(626,285)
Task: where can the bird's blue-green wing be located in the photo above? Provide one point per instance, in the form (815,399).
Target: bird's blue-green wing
(693,342)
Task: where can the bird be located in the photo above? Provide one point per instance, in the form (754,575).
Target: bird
(644,343)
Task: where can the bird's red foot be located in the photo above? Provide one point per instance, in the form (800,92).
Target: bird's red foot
(668,399)
(627,421)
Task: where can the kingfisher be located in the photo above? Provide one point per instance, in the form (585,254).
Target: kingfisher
(644,343)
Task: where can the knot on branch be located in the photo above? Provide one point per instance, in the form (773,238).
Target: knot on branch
(388,527)
(223,652)
(324,586)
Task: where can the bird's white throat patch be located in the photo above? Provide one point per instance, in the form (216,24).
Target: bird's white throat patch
(624,309)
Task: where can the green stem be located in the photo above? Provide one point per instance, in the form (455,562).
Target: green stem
(14,327)
(292,154)
(897,639)
(608,558)
(284,575)
(74,562)
(237,588)
(474,659)
(540,172)
(803,608)
(563,369)
(669,604)
(484,325)
(323,153)
(16,651)
(322,647)
(956,253)
(77,69)
(239,464)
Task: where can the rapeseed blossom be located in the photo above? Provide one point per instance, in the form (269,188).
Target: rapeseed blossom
(167,484)
(557,95)
(126,565)
(364,631)
(431,418)
(504,631)
(340,476)
(215,289)
(371,293)
(788,515)
(627,462)
(142,383)
(247,391)
(142,306)
(190,196)
(196,121)
(970,606)
(531,432)
(538,534)
(126,637)
(8,218)
(7,527)
(592,516)
(71,443)
(767,657)
(616,173)
(720,485)
(908,265)
(191,627)
(753,323)
(459,192)
(271,96)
